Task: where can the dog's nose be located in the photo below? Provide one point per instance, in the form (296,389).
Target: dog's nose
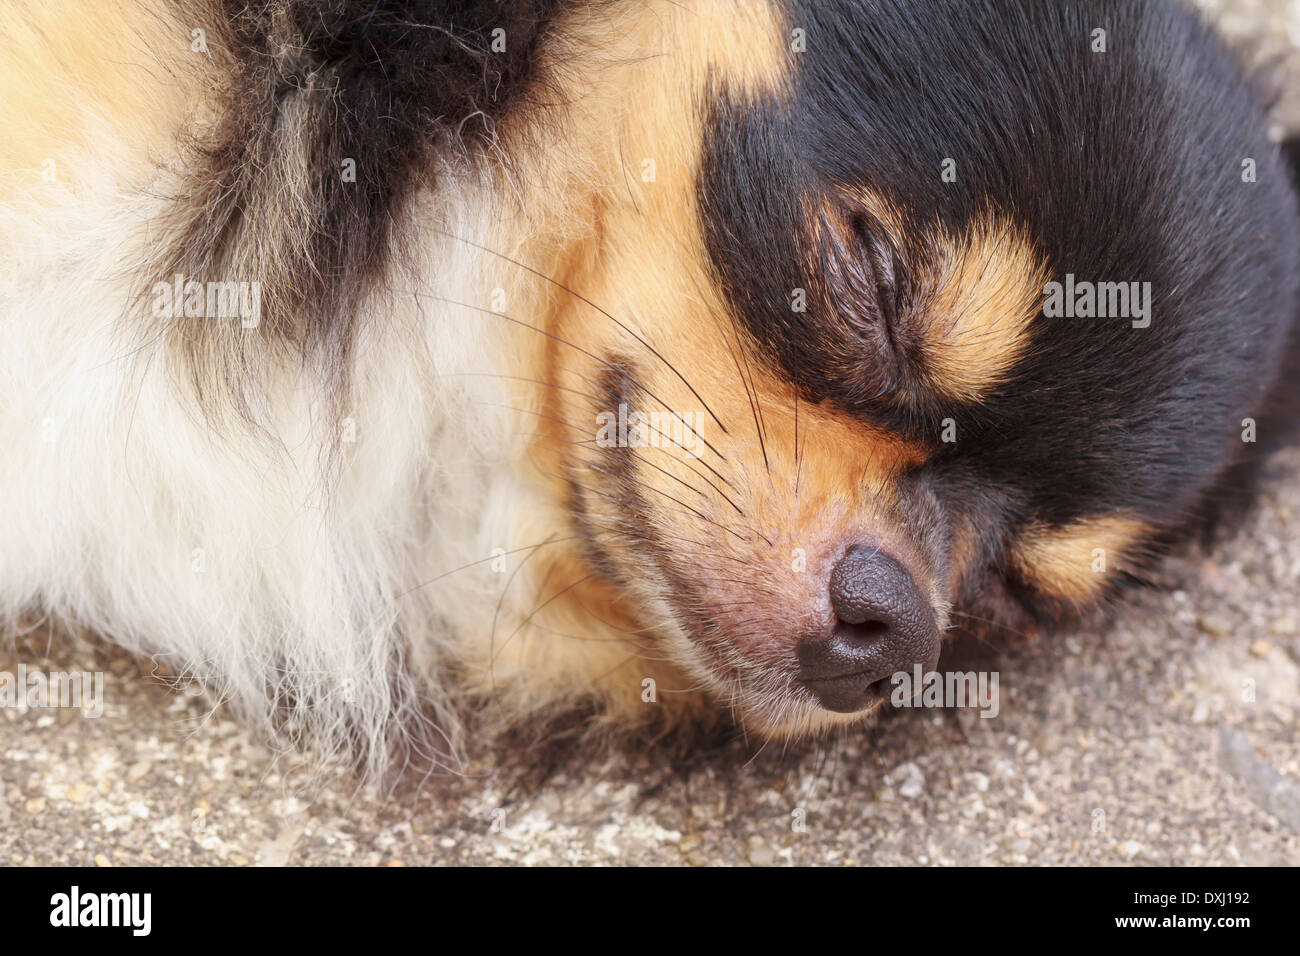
(884,625)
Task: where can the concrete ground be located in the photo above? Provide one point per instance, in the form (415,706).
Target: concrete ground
(1171,738)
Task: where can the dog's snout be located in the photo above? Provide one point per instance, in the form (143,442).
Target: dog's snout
(883,625)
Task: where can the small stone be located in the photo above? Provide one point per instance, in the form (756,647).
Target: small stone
(1201,714)
(101,860)
(1282,627)
(1260,648)
(138,771)
(36,805)
(688,843)
(1031,800)
(1131,848)
(79,792)
(760,854)
(1216,625)
(909,780)
(395,863)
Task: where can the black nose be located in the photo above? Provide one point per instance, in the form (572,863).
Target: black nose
(884,625)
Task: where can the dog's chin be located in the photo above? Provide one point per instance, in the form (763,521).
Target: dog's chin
(765,697)
(804,721)
(795,715)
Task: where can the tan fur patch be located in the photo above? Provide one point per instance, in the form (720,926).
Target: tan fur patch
(86,84)
(987,291)
(1075,561)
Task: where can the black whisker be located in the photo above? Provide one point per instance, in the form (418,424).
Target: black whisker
(583,298)
(591,355)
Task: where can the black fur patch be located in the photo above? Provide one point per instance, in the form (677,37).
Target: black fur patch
(1121,166)
(392,85)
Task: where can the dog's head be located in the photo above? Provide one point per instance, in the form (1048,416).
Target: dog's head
(902,316)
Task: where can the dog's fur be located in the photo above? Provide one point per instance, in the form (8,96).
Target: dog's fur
(380,510)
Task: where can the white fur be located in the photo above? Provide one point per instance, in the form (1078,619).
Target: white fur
(245,559)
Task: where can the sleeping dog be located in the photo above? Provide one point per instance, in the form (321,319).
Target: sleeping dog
(407,369)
